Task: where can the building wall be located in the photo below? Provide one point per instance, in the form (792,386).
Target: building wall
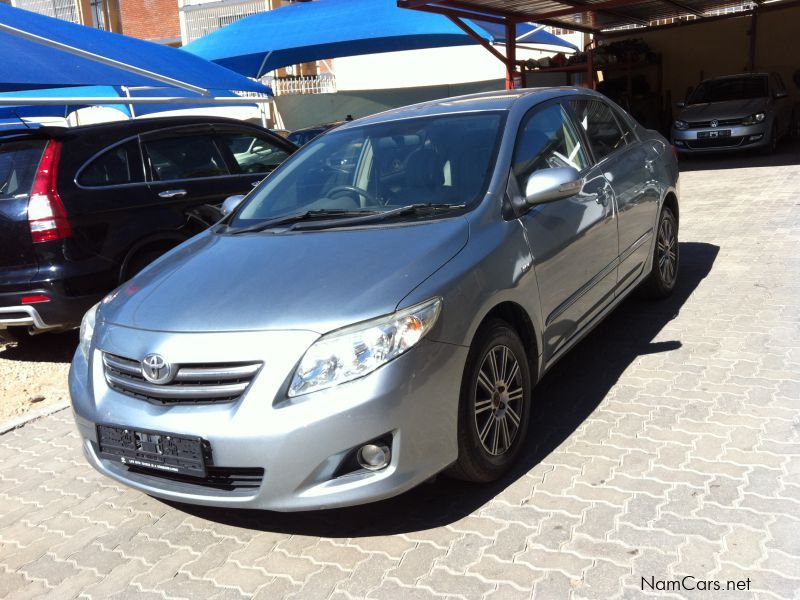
(154,20)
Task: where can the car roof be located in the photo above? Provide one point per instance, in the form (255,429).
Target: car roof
(737,76)
(129,126)
(502,100)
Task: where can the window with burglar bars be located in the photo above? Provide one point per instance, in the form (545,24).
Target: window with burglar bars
(66,10)
(198,20)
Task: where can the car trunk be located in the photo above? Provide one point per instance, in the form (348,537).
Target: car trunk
(19,159)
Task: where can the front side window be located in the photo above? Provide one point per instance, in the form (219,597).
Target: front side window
(184,157)
(437,160)
(601,126)
(547,139)
(252,154)
(119,165)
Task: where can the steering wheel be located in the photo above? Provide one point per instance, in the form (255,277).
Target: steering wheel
(351,188)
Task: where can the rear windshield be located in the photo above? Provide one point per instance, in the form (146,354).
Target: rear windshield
(739,88)
(18,162)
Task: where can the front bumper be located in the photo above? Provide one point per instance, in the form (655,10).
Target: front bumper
(689,141)
(300,443)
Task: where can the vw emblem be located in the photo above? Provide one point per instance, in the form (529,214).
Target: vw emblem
(714,123)
(156,369)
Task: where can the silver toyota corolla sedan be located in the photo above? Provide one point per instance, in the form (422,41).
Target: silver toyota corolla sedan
(379,309)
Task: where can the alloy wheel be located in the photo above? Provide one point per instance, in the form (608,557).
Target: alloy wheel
(667,251)
(498,400)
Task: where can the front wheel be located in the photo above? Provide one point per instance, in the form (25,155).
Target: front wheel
(666,257)
(494,407)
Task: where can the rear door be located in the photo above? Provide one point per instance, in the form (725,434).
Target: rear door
(19,160)
(184,167)
(627,165)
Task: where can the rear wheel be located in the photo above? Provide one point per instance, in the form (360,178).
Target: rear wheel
(15,334)
(494,406)
(666,257)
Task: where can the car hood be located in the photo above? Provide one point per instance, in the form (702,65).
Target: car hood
(317,281)
(731,109)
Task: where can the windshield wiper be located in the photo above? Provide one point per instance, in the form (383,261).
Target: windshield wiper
(376,217)
(297,217)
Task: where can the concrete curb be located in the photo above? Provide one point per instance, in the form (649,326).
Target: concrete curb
(32,416)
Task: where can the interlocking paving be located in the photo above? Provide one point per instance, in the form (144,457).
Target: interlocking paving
(664,445)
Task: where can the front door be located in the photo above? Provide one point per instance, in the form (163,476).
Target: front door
(573,241)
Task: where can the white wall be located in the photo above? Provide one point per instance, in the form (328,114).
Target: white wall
(435,66)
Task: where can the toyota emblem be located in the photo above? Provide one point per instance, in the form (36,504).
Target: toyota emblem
(156,369)
(714,123)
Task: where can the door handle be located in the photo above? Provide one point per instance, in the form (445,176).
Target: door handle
(602,197)
(172,194)
(255,183)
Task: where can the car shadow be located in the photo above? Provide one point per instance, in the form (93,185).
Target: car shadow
(787,154)
(564,398)
(42,348)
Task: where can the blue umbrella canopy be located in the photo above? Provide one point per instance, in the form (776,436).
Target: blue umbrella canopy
(308,31)
(41,52)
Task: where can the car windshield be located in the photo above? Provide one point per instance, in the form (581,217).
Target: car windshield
(735,88)
(438,160)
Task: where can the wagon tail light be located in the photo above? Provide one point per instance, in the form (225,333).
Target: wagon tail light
(46,215)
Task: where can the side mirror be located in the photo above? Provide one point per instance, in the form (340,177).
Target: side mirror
(680,104)
(552,184)
(230,204)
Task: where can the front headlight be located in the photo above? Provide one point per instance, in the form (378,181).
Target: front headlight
(87,330)
(355,351)
(681,124)
(753,119)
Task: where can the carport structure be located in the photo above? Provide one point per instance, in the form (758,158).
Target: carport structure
(602,18)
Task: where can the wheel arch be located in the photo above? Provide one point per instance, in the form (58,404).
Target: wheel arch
(151,242)
(519,319)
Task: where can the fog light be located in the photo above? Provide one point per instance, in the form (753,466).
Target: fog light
(373,457)
(753,138)
(679,143)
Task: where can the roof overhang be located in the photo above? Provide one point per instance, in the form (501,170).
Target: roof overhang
(595,16)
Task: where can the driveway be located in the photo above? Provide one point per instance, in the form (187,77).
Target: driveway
(665,449)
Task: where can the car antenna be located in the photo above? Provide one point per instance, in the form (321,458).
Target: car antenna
(21,120)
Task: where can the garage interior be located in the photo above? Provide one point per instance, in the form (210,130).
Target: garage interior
(646,54)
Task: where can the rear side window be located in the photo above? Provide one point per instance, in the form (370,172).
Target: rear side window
(117,166)
(252,154)
(185,157)
(604,133)
(18,163)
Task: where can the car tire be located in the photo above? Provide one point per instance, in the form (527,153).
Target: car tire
(492,423)
(772,144)
(794,127)
(666,257)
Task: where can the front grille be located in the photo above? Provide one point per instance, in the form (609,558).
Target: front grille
(220,478)
(193,383)
(720,123)
(720,142)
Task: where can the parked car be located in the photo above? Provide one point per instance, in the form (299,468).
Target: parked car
(84,209)
(380,308)
(301,137)
(750,110)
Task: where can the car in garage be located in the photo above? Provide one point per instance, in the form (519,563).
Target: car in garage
(83,209)
(735,112)
(380,308)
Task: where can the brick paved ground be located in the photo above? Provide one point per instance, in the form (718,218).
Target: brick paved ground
(666,445)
